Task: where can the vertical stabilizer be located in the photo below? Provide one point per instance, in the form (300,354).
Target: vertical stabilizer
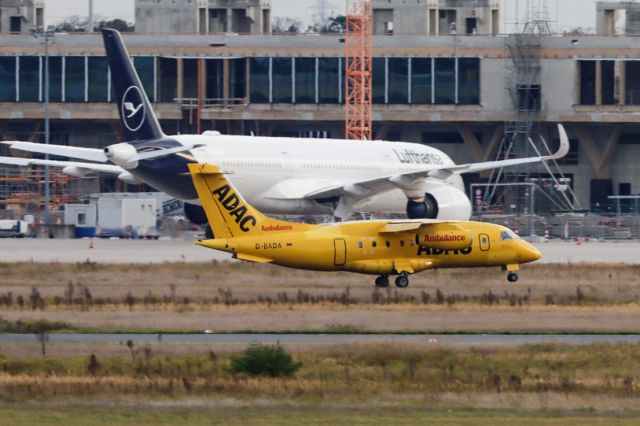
(139,122)
(229,215)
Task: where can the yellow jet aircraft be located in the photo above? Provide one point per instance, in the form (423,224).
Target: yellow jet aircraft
(377,247)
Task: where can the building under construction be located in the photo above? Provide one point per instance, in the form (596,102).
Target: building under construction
(441,75)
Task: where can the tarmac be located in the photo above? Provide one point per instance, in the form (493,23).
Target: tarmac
(435,340)
(181,250)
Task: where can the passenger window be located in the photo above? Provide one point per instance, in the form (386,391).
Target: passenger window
(373,244)
(360,245)
(412,243)
(388,243)
(401,243)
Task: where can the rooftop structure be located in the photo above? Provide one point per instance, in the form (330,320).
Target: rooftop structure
(433,17)
(203,16)
(607,16)
(21,16)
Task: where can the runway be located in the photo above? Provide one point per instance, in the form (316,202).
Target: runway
(473,340)
(181,250)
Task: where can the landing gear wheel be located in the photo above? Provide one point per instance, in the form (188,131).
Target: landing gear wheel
(512,277)
(382,281)
(402,281)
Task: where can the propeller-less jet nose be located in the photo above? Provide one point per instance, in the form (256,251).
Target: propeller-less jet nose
(527,252)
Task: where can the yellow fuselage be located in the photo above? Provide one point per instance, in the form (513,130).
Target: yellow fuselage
(363,247)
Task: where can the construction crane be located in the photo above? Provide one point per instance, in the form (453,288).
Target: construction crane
(358,54)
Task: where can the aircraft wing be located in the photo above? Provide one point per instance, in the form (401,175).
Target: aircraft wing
(80,167)
(362,189)
(394,227)
(89,154)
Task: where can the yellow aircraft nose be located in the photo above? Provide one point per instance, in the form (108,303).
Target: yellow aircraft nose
(528,253)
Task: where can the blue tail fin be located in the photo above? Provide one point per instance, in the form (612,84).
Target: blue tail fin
(138,119)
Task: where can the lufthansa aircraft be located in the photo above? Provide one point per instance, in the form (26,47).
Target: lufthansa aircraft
(379,247)
(277,175)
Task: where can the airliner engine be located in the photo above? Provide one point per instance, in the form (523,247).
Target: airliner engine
(122,154)
(440,202)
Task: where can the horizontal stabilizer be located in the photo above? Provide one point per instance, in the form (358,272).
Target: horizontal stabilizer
(89,154)
(89,167)
(250,258)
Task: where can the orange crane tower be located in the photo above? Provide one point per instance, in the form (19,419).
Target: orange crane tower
(358,44)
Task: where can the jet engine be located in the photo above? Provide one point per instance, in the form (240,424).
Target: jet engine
(442,202)
(122,154)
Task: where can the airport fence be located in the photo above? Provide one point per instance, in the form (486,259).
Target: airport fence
(570,226)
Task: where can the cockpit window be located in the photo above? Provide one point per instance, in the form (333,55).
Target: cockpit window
(508,235)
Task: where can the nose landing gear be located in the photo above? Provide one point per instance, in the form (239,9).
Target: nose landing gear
(512,277)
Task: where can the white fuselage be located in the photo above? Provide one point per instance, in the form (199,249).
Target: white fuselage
(275,174)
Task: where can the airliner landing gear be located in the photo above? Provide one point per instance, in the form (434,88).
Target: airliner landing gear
(512,277)
(402,281)
(382,281)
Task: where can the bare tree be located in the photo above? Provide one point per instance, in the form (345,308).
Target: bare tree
(335,24)
(285,25)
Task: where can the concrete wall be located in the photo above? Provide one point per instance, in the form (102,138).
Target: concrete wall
(166,16)
(29,13)
(202,16)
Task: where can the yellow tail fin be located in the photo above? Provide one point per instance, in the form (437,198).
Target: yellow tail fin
(229,215)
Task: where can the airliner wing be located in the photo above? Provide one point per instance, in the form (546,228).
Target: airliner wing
(89,154)
(362,189)
(81,168)
(445,172)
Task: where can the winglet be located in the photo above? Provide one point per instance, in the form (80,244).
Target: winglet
(563,149)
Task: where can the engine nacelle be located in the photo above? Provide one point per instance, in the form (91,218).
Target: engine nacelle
(76,171)
(123,154)
(445,237)
(441,202)
(195,214)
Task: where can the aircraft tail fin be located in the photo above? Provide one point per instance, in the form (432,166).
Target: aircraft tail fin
(138,119)
(229,215)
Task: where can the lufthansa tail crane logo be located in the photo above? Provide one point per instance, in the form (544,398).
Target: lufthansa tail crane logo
(132,108)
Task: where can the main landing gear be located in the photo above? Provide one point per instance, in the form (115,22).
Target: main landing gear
(402,281)
(512,277)
(382,281)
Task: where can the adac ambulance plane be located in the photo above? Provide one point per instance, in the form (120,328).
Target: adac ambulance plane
(277,175)
(379,247)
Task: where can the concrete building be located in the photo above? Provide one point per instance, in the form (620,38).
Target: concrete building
(203,16)
(450,91)
(21,16)
(433,17)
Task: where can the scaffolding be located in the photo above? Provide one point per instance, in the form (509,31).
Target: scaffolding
(523,135)
(358,43)
(21,190)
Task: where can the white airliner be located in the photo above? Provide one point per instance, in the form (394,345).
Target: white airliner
(277,175)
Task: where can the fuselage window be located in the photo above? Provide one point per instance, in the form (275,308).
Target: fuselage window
(373,244)
(360,245)
(401,243)
(508,235)
(388,243)
(411,243)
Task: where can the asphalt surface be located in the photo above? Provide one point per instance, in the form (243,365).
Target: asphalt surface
(180,250)
(331,339)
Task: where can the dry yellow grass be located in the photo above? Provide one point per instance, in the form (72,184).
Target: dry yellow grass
(240,296)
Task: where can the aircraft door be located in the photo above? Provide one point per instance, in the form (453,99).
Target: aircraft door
(340,246)
(485,242)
